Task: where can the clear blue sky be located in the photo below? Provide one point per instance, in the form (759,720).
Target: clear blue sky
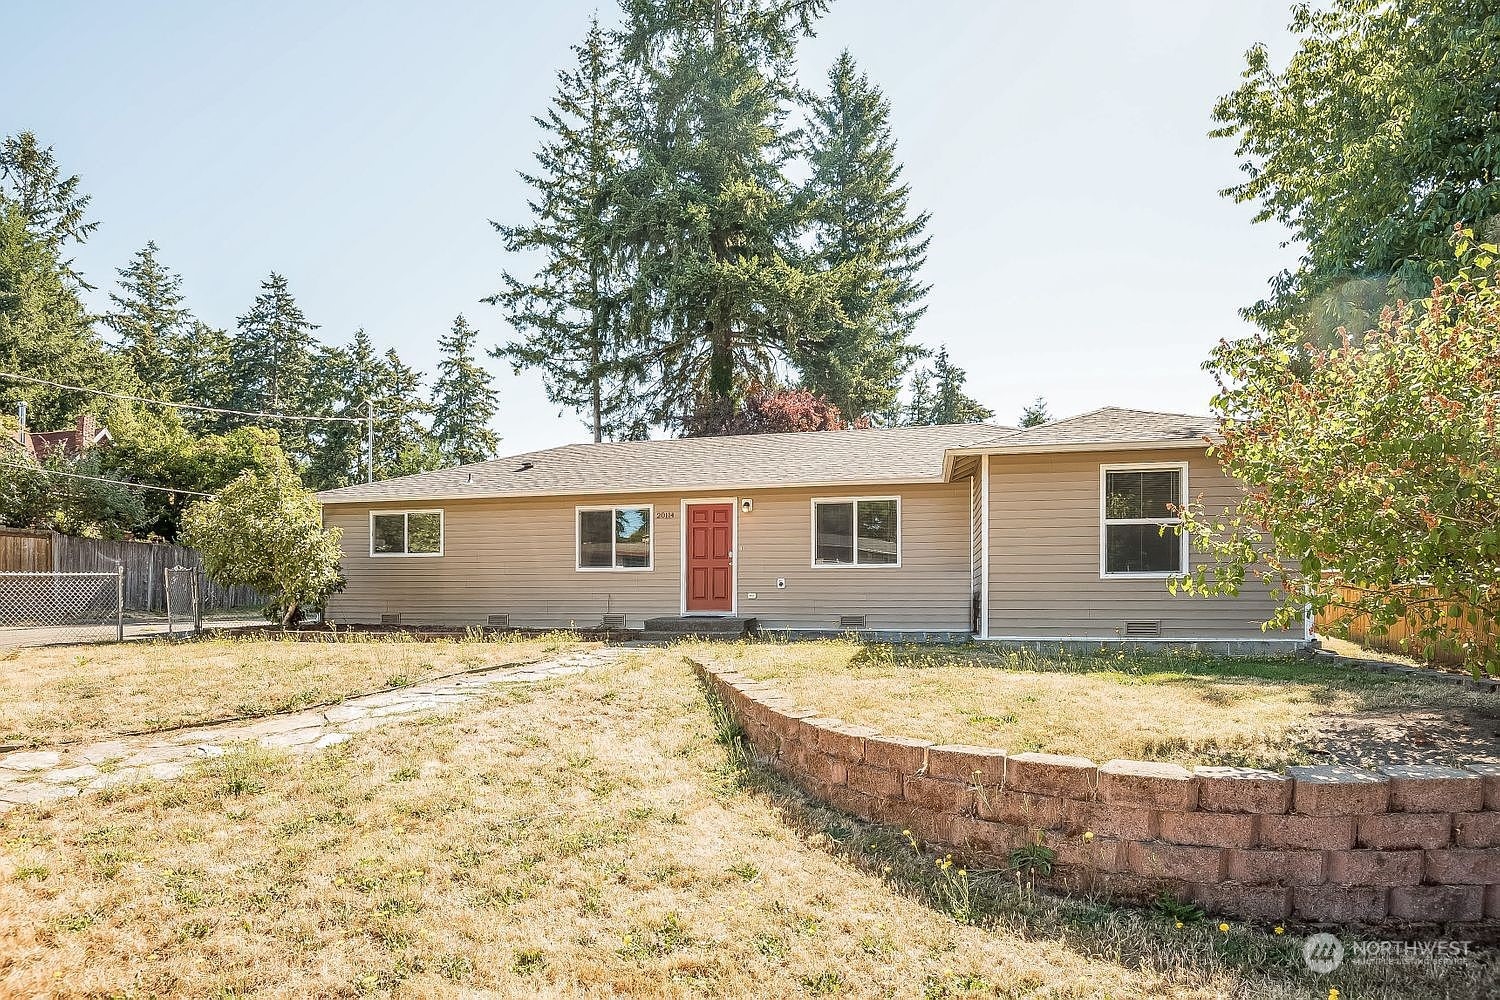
(1080,249)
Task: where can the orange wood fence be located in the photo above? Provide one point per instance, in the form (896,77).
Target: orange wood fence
(1400,639)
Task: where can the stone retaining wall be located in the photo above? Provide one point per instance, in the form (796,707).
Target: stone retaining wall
(1327,843)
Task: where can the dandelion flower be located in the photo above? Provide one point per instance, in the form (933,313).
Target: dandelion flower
(1179,925)
(1088,835)
(1333,994)
(1280,930)
(1224,928)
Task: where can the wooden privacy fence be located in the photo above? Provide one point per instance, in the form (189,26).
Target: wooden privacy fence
(1400,637)
(26,551)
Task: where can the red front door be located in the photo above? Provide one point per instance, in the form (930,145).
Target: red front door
(710,557)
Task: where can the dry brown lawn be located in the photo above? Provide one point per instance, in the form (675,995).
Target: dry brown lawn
(1192,709)
(590,836)
(69,694)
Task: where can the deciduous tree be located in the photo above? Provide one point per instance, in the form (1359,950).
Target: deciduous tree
(1369,145)
(1375,464)
(265,531)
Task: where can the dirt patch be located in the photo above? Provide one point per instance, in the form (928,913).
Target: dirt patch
(1384,738)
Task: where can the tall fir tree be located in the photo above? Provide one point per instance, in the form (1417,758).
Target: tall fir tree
(938,397)
(351,377)
(404,444)
(54,207)
(571,310)
(149,319)
(722,291)
(865,233)
(272,371)
(45,330)
(465,400)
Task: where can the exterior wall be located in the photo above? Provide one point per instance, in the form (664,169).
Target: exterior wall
(516,556)
(1044,556)
(1406,843)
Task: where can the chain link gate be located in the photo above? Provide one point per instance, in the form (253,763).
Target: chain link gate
(37,608)
(184,601)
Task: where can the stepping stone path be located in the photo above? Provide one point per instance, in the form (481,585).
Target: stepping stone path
(35,776)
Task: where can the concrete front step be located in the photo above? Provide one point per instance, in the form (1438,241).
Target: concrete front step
(703,626)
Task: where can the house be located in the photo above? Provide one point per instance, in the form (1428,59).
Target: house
(85,434)
(1046,534)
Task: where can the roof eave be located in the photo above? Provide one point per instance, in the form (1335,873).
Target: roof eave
(1032,449)
(325,500)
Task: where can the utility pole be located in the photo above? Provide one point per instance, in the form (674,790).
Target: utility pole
(369,441)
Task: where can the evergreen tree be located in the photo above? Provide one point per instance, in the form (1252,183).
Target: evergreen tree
(149,319)
(722,290)
(938,396)
(272,365)
(465,400)
(45,330)
(865,234)
(352,376)
(52,205)
(403,441)
(571,310)
(200,364)
(1035,414)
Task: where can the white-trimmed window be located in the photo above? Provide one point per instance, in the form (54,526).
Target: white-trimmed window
(1136,502)
(406,533)
(613,538)
(858,531)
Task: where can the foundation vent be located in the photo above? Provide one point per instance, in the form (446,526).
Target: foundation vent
(851,621)
(1142,630)
(612,621)
(391,619)
(498,621)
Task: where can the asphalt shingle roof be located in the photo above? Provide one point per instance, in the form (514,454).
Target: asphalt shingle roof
(874,455)
(1114,425)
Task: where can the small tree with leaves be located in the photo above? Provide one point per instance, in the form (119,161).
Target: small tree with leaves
(768,410)
(1373,465)
(465,400)
(264,530)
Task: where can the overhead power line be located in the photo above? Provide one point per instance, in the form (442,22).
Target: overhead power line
(183,406)
(101,479)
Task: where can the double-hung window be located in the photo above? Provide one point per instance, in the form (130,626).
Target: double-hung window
(406,533)
(614,538)
(1139,515)
(857,532)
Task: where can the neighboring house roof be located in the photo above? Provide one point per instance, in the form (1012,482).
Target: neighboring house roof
(69,443)
(1110,427)
(812,458)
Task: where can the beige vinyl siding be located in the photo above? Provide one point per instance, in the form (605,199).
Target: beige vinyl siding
(1044,555)
(516,556)
(976,538)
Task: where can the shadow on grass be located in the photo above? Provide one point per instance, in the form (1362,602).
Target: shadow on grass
(1165,937)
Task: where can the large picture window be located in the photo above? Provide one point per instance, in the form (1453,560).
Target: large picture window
(406,533)
(614,538)
(861,532)
(1136,503)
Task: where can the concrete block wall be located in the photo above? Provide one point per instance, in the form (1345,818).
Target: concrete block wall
(1323,844)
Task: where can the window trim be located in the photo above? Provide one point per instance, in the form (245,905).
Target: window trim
(406,533)
(578,566)
(813,532)
(1181,468)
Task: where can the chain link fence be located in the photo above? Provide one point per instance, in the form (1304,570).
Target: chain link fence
(44,609)
(38,608)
